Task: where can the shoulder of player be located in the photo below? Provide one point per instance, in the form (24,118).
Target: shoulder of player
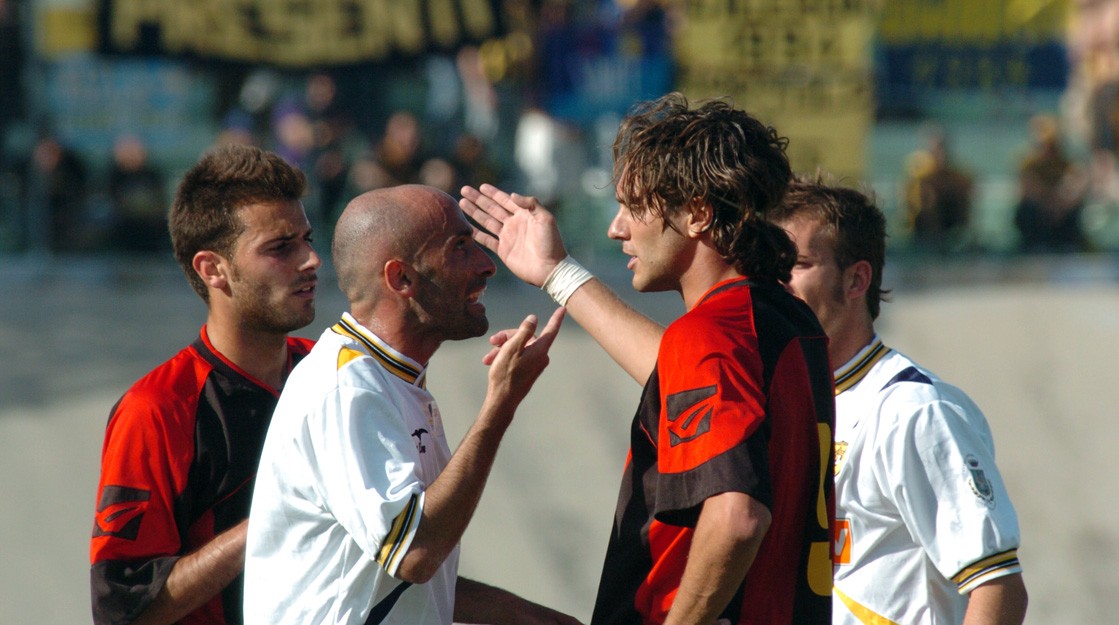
(702,330)
(340,362)
(912,399)
(171,388)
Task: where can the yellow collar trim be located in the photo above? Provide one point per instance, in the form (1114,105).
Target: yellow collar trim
(396,364)
(856,369)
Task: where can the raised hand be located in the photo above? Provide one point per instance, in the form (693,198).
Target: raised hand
(499,338)
(518,359)
(518,229)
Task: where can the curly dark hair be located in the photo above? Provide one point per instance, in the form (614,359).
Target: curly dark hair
(204,212)
(668,156)
(853,221)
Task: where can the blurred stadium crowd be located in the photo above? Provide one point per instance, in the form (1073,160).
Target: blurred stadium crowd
(997,140)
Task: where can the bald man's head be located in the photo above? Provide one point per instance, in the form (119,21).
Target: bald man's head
(381,225)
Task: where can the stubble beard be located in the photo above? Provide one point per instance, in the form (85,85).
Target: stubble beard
(260,314)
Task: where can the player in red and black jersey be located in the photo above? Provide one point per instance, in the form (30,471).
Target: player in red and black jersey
(182,445)
(731,407)
(726,504)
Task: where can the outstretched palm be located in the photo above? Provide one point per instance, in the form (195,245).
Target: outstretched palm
(523,234)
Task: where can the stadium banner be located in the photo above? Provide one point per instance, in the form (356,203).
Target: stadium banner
(962,44)
(296,33)
(802,67)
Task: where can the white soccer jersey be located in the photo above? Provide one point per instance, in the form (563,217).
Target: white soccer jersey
(922,515)
(354,442)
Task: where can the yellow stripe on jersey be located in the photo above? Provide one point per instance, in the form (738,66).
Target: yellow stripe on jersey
(861,612)
(998,565)
(850,376)
(391,550)
(346,355)
(394,365)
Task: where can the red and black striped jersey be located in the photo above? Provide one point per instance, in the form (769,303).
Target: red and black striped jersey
(741,400)
(177,465)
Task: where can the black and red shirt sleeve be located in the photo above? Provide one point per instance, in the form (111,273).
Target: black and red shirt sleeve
(179,456)
(145,465)
(711,428)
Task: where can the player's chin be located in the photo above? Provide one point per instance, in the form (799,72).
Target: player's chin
(476,323)
(298,317)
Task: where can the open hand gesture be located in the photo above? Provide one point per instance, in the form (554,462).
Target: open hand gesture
(522,233)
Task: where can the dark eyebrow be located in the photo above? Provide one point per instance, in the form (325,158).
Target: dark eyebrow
(291,236)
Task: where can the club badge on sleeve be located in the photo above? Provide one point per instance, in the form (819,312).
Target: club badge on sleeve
(978,481)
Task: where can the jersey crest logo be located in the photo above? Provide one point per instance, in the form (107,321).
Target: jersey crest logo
(840,455)
(120,511)
(978,481)
(689,414)
(419,435)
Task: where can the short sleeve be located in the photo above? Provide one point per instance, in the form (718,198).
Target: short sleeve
(146,456)
(712,435)
(369,472)
(939,465)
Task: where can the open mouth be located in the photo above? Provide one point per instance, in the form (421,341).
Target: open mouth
(307,289)
(476,296)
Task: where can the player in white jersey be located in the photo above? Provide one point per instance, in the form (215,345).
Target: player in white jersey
(344,467)
(359,504)
(925,531)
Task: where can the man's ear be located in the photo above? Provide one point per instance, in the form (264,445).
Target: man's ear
(399,277)
(856,279)
(212,268)
(700,217)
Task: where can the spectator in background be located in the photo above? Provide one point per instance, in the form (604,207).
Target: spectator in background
(472,163)
(938,197)
(136,189)
(236,128)
(335,146)
(398,152)
(57,178)
(439,173)
(394,160)
(1052,190)
(292,134)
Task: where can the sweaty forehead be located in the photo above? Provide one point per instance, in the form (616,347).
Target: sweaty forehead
(440,219)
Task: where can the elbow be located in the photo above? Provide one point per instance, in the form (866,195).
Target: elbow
(742,518)
(418,566)
(752,523)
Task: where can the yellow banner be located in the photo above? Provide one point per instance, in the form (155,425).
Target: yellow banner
(64,29)
(972,21)
(296,33)
(802,67)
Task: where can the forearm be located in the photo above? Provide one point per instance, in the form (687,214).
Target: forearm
(476,602)
(450,501)
(1000,601)
(727,537)
(629,337)
(198,577)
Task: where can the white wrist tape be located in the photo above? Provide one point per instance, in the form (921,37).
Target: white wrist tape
(567,276)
